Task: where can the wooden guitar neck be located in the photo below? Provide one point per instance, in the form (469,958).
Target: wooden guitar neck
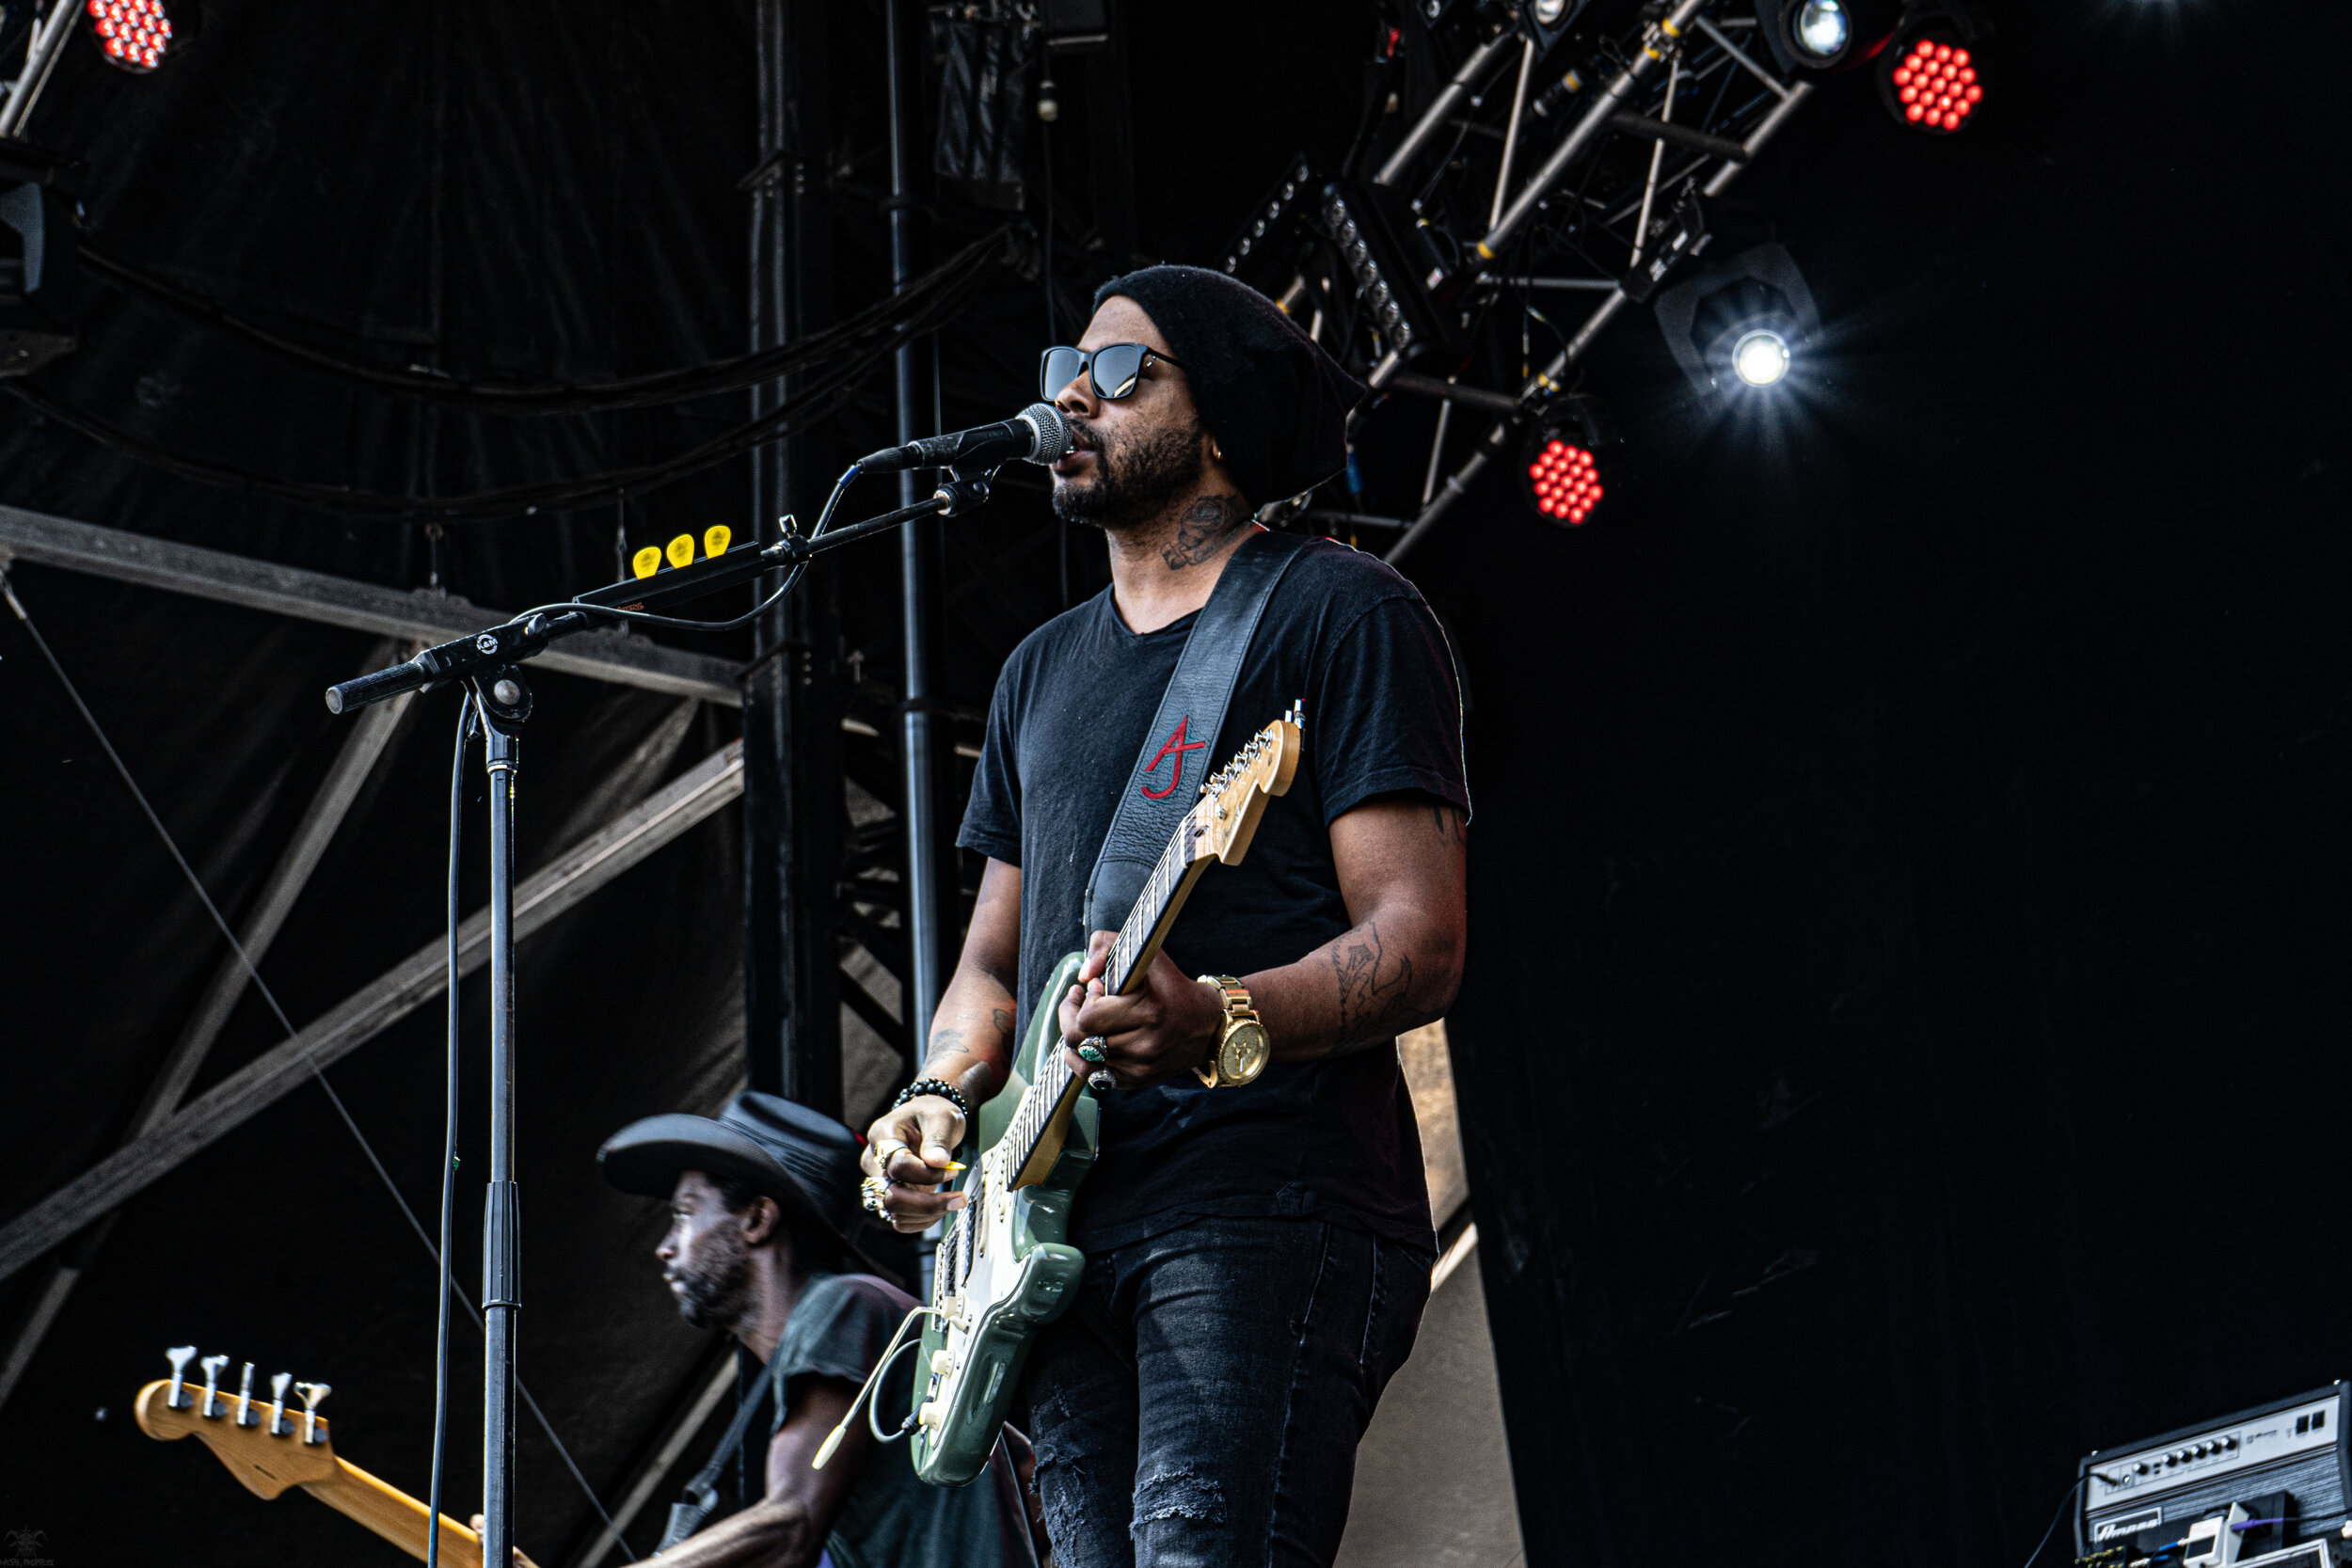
(269,1451)
(393,1514)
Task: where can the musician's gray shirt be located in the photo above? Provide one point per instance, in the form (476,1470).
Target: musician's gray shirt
(839,1329)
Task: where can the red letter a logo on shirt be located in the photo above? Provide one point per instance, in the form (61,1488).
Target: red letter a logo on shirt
(1177,746)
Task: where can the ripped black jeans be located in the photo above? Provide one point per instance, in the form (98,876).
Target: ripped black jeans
(1201,1404)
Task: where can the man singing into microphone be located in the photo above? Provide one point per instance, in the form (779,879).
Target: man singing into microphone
(1258,1251)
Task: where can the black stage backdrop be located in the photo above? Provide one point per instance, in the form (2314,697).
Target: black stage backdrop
(1907,984)
(1905,1012)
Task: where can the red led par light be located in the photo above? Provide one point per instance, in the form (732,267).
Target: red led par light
(1932,73)
(1934,84)
(1561,481)
(131,34)
(1559,473)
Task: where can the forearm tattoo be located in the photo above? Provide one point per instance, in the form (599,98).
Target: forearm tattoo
(951,1056)
(1203,528)
(1375,991)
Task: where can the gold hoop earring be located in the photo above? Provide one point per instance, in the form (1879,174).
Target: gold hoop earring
(1215,451)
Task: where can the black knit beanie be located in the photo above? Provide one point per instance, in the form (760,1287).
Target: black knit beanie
(1277,403)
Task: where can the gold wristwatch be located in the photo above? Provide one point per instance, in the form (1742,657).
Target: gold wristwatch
(1243,1049)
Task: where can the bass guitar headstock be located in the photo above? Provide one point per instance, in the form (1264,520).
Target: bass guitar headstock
(263,1445)
(1236,795)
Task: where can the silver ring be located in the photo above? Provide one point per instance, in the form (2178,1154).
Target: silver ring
(1102,1081)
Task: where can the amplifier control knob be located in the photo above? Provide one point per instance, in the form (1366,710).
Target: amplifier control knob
(2230,1443)
(2171,1460)
(2142,1467)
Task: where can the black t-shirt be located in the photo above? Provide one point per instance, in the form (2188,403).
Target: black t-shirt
(839,1329)
(1333,1138)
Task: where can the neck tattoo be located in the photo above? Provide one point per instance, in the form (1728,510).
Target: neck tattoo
(1202,529)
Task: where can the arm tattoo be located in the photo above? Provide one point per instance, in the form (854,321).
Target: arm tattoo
(1003,1020)
(947,1054)
(1202,529)
(1375,995)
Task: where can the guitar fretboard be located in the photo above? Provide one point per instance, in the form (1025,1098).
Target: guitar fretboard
(1045,1104)
(1135,934)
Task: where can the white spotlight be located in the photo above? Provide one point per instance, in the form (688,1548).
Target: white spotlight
(1760,357)
(1823,29)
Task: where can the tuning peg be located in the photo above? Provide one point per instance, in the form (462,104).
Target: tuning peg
(211,1365)
(277,1427)
(311,1393)
(179,1355)
(246,1415)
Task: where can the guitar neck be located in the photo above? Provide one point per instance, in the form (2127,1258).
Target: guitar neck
(1164,894)
(1034,1138)
(393,1514)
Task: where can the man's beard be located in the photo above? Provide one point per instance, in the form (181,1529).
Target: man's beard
(1135,477)
(714,1296)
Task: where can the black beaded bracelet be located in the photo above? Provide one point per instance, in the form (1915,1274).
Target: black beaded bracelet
(939,1086)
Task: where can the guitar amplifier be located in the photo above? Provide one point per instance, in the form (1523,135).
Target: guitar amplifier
(2285,1465)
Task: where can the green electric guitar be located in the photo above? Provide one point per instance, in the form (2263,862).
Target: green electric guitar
(1003,1270)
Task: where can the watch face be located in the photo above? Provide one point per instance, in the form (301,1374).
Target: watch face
(1244,1054)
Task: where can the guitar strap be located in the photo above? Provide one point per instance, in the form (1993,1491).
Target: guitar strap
(1197,695)
(702,1492)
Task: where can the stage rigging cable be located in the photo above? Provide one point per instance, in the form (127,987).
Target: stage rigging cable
(843,340)
(944,300)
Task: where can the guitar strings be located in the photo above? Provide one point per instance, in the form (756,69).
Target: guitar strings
(7,588)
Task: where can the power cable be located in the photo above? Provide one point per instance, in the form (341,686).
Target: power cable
(2064,1503)
(844,338)
(8,590)
(467,714)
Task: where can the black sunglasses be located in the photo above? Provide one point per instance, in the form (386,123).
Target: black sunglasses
(1116,368)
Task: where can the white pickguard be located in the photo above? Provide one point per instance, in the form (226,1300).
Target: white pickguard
(993,1275)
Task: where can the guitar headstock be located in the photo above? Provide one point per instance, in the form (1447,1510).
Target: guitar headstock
(1236,795)
(267,1447)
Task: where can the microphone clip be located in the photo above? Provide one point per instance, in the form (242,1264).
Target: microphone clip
(963,490)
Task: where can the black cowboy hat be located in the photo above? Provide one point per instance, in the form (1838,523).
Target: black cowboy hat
(804,1160)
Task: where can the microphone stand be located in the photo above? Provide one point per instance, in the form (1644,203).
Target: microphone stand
(488,663)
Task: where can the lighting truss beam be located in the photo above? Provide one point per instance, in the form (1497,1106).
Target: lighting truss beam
(1595,121)
(368,1012)
(625,660)
(1498,440)
(1433,118)
(1454,391)
(1679,135)
(41,49)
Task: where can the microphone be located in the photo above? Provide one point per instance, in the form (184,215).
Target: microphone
(1038,433)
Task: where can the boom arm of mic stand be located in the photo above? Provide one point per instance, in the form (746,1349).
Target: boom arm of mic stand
(516,641)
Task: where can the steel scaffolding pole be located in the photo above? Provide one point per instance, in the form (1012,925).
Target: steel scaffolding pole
(918,545)
(793,698)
